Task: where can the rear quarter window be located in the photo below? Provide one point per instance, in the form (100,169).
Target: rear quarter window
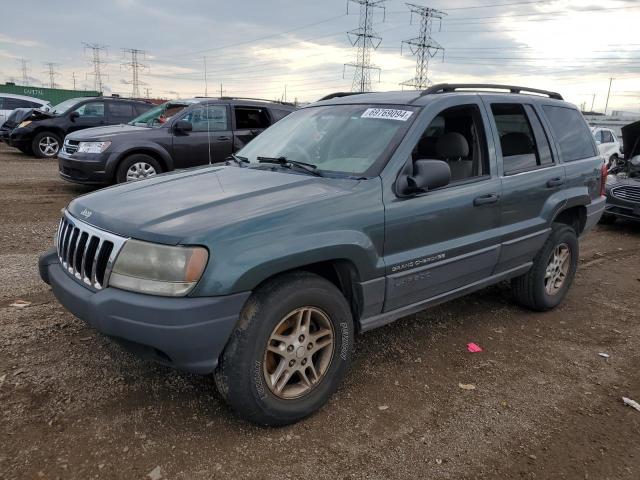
(570,132)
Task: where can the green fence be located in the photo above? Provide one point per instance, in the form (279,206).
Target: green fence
(53,95)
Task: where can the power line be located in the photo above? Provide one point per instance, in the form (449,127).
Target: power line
(423,47)
(51,71)
(24,70)
(366,39)
(135,66)
(98,64)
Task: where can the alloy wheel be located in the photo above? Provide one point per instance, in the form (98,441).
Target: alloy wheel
(140,171)
(557,269)
(298,353)
(49,146)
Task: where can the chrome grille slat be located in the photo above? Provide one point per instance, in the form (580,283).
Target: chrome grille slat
(85,252)
(629,193)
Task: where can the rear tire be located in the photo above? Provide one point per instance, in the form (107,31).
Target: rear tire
(137,167)
(276,373)
(546,284)
(46,145)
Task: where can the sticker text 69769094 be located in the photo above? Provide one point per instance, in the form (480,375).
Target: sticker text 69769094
(387,113)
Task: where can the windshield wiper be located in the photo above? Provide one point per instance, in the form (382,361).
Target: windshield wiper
(285,162)
(238,159)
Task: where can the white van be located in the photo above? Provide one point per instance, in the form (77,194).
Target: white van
(608,144)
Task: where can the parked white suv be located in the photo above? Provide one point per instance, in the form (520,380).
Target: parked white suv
(608,144)
(9,102)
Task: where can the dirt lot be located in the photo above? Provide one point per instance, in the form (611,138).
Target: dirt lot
(545,404)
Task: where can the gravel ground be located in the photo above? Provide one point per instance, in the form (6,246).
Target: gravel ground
(545,404)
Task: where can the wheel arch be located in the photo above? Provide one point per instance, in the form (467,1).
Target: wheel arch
(341,272)
(163,158)
(574,216)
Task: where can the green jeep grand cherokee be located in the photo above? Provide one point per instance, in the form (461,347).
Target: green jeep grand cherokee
(344,216)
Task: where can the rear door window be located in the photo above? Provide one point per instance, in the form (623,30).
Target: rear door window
(255,118)
(517,140)
(607,137)
(121,111)
(571,132)
(13,103)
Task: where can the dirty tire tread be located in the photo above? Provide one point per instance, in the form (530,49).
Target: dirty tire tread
(239,367)
(527,289)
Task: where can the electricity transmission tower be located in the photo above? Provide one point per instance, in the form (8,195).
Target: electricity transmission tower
(135,66)
(51,70)
(366,39)
(98,64)
(423,47)
(24,70)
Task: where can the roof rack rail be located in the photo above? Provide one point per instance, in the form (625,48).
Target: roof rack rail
(452,87)
(256,99)
(340,94)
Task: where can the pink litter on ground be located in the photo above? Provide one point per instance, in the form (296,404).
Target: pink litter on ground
(473,348)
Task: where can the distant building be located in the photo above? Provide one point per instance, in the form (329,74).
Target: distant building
(615,121)
(53,95)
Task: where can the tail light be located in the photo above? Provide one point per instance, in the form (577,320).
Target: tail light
(604,171)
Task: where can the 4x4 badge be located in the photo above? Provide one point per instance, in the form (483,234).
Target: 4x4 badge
(86,213)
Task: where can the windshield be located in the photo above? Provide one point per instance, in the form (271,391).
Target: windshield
(156,117)
(346,139)
(66,105)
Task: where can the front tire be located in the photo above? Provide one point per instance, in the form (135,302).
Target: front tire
(46,145)
(289,352)
(546,284)
(137,167)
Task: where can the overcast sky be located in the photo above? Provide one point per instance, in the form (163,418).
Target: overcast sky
(256,47)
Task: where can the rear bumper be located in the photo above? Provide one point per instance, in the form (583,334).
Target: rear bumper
(185,333)
(594,211)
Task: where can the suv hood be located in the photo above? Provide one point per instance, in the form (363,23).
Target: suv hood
(102,133)
(186,207)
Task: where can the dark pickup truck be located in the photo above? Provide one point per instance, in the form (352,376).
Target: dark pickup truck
(175,135)
(344,216)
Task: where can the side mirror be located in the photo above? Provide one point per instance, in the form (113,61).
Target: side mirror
(182,126)
(73,116)
(423,175)
(598,142)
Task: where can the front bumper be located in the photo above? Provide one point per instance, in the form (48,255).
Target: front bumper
(20,138)
(89,169)
(617,207)
(187,333)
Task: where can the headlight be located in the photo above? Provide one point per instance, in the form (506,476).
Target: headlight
(24,124)
(93,147)
(158,269)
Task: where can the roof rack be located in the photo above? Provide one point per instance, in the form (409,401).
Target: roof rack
(255,99)
(452,87)
(340,94)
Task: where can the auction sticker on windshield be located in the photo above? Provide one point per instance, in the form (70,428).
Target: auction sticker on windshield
(388,113)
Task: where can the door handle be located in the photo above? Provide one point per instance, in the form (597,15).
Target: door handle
(223,137)
(555,182)
(485,199)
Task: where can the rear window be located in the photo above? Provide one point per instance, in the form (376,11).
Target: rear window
(571,132)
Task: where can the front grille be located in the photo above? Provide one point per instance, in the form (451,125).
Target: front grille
(630,193)
(85,252)
(71,146)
